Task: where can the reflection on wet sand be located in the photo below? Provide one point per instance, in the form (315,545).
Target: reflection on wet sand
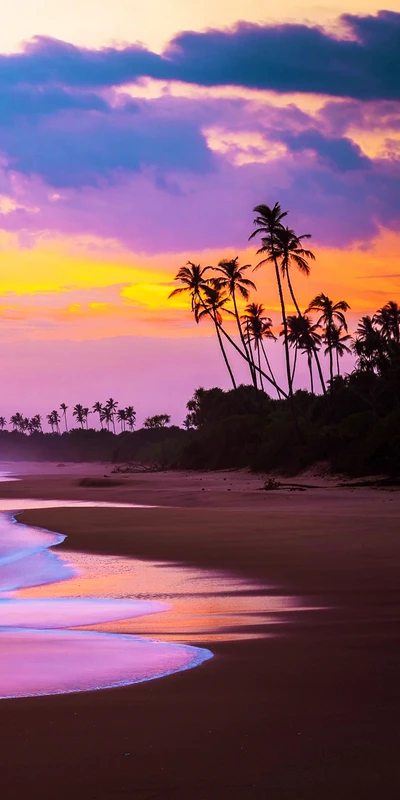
(204,605)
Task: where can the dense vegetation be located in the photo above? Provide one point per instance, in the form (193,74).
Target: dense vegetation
(353,424)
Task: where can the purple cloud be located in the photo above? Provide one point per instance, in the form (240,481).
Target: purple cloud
(364,64)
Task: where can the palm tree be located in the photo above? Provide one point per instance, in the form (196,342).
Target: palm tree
(121,417)
(98,409)
(268,222)
(79,413)
(3,423)
(331,314)
(111,406)
(259,327)
(211,304)
(338,344)
(86,413)
(35,424)
(388,319)
(17,421)
(303,335)
(64,408)
(130,416)
(193,280)
(51,421)
(233,281)
(368,344)
(107,416)
(56,420)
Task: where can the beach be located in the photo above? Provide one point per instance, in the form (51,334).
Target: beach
(308,710)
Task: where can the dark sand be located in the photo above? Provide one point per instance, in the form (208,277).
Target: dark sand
(309,713)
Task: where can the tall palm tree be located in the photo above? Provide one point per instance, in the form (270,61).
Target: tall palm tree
(130,415)
(268,223)
(3,423)
(98,409)
(56,420)
(86,413)
(259,327)
(339,345)
(64,409)
(234,282)
(368,344)
(212,303)
(107,416)
(193,282)
(388,319)
(330,315)
(17,421)
(111,405)
(303,336)
(79,413)
(51,420)
(121,417)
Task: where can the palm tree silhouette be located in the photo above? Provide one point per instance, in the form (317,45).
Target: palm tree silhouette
(64,409)
(268,222)
(212,303)
(331,314)
(388,319)
(303,336)
(368,344)
(338,345)
(130,415)
(111,406)
(233,281)
(193,280)
(98,409)
(17,421)
(79,413)
(259,327)
(3,423)
(121,417)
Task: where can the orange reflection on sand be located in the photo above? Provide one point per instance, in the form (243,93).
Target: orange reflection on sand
(204,605)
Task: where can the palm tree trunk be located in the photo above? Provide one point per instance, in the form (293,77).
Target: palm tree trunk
(251,355)
(252,370)
(309,359)
(221,344)
(285,328)
(294,363)
(337,362)
(328,333)
(234,345)
(259,365)
(270,370)
(65,421)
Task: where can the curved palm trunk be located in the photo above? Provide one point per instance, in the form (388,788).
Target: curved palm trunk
(251,356)
(65,421)
(234,345)
(243,340)
(337,362)
(270,370)
(221,344)
(261,372)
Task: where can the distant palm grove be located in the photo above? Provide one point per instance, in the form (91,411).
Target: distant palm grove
(350,421)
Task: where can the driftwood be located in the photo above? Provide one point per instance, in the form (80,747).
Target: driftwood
(135,467)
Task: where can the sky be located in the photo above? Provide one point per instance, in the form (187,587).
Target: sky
(137,135)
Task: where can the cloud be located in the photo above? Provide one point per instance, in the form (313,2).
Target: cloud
(363,62)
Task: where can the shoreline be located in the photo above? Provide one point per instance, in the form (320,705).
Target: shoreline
(307,713)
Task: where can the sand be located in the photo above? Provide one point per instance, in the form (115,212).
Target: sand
(310,712)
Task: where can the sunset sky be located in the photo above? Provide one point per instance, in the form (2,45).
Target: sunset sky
(135,135)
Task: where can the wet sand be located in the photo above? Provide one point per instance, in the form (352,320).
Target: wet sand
(311,712)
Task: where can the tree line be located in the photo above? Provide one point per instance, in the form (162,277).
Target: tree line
(109,416)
